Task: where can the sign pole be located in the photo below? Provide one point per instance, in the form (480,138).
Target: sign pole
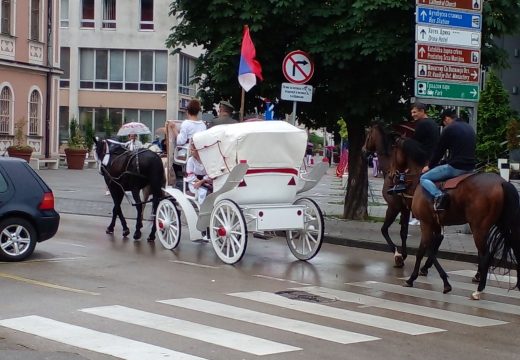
(294,113)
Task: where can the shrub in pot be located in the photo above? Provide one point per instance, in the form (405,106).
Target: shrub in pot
(76,149)
(20,149)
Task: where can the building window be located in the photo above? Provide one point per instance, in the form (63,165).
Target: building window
(5,14)
(120,69)
(35,20)
(146,15)
(65,66)
(6,101)
(86,69)
(64,13)
(186,68)
(109,14)
(35,113)
(87,14)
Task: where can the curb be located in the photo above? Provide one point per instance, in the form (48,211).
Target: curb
(370,245)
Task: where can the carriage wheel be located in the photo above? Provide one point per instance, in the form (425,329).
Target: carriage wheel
(228,231)
(168,224)
(305,243)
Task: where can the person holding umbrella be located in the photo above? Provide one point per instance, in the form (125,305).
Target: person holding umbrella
(133,142)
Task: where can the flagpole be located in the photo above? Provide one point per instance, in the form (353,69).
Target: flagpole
(242,100)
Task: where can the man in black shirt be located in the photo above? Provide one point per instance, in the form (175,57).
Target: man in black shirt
(419,147)
(459,141)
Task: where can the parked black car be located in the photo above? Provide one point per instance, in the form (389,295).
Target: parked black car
(27,214)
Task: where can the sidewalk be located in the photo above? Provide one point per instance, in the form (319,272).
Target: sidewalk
(83,192)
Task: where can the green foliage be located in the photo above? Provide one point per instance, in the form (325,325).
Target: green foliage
(89,134)
(20,137)
(494,111)
(512,132)
(343,131)
(76,140)
(316,140)
(107,126)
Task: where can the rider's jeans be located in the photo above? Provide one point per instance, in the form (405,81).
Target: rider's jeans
(438,173)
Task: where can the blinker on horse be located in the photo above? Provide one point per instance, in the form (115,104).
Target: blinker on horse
(485,201)
(125,170)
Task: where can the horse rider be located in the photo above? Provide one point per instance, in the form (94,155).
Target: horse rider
(419,147)
(224,115)
(459,140)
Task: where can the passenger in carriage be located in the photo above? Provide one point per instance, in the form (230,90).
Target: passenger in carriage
(459,141)
(198,180)
(191,125)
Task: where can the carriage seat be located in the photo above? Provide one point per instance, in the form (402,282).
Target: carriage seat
(181,153)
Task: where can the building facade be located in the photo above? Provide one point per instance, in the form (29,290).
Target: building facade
(511,76)
(29,73)
(116,67)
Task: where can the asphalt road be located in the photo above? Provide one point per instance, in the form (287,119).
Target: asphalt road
(88,295)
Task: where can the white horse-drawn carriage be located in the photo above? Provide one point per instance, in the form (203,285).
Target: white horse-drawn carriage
(256,180)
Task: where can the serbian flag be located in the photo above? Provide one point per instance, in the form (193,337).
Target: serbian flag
(249,68)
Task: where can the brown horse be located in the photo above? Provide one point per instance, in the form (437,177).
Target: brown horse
(485,201)
(379,139)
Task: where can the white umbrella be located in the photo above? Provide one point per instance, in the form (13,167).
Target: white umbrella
(133,128)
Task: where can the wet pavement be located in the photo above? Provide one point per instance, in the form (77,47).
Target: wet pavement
(83,192)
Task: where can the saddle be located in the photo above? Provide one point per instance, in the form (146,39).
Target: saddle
(453,182)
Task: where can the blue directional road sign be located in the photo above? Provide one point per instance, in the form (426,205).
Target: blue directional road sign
(440,17)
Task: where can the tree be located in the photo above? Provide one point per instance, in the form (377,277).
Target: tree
(494,111)
(363,51)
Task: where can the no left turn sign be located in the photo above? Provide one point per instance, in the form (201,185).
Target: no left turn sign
(297,67)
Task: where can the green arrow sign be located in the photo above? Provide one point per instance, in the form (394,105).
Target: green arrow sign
(446,90)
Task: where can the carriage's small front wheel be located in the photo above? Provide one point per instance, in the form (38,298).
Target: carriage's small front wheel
(168,224)
(305,243)
(228,231)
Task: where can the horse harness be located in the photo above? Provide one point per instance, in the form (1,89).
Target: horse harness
(106,160)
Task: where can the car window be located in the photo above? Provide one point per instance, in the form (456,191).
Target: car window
(3,184)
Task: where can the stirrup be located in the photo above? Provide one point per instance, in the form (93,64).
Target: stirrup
(397,189)
(440,202)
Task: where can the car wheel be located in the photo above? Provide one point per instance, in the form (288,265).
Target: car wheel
(17,239)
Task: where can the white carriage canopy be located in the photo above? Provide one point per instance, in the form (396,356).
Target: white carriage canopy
(262,144)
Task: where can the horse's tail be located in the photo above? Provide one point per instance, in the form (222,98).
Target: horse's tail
(506,234)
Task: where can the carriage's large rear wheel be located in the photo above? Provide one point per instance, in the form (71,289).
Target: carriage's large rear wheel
(168,223)
(305,243)
(228,231)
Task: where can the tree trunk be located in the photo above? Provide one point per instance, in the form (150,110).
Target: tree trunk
(356,198)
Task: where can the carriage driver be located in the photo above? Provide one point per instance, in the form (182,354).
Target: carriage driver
(459,140)
(419,147)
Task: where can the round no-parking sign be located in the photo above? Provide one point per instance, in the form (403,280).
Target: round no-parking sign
(297,67)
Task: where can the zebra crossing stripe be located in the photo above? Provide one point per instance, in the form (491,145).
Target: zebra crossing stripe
(229,339)
(341,314)
(509,279)
(276,322)
(408,308)
(92,340)
(471,287)
(437,296)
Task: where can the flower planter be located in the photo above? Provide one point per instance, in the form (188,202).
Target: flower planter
(20,153)
(75,158)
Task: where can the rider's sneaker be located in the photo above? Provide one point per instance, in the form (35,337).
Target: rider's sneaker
(440,202)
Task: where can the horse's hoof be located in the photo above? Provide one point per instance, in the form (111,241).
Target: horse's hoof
(151,239)
(423,272)
(475,295)
(109,231)
(408,283)
(137,236)
(398,261)
(447,289)
(126,232)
